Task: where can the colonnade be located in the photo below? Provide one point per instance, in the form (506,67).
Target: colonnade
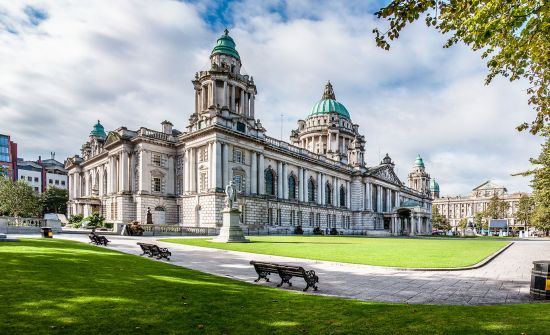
(231,95)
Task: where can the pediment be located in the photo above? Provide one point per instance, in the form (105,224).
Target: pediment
(112,137)
(386,173)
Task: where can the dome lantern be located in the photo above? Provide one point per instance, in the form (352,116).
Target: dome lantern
(225,45)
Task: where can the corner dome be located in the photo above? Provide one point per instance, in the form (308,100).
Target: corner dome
(328,104)
(98,131)
(226,46)
(434,186)
(419,162)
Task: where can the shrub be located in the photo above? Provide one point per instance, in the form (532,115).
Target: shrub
(333,231)
(135,229)
(95,220)
(317,231)
(108,225)
(75,221)
(298,230)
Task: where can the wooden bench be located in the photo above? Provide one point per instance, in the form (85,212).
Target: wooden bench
(153,250)
(98,239)
(286,272)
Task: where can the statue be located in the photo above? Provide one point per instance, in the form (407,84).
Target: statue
(230,195)
(149,216)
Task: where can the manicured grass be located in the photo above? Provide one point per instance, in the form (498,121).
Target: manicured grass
(398,252)
(63,287)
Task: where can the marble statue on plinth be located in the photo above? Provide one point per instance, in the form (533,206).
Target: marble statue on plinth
(230,232)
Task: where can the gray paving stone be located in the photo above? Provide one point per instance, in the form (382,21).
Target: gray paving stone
(504,280)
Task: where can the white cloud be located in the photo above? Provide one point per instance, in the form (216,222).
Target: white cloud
(131,62)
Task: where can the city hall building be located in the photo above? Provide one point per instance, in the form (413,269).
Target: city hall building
(318,179)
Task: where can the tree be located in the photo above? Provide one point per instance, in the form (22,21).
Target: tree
(478,220)
(439,222)
(524,211)
(54,200)
(18,199)
(462,224)
(95,220)
(541,185)
(513,35)
(497,208)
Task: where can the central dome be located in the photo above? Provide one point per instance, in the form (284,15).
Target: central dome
(225,45)
(328,104)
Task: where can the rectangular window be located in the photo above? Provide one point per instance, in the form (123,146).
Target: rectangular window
(238,180)
(63,182)
(203,181)
(203,154)
(157,184)
(50,181)
(22,177)
(36,179)
(292,217)
(318,219)
(156,159)
(36,189)
(238,156)
(270,216)
(29,178)
(299,218)
(279,218)
(57,182)
(178,213)
(311,219)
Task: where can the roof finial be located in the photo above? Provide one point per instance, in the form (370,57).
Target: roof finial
(329,92)
(226,32)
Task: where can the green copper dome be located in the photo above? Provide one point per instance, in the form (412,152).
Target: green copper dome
(226,46)
(328,104)
(434,186)
(419,162)
(98,130)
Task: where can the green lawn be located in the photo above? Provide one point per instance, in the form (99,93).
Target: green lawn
(398,252)
(63,287)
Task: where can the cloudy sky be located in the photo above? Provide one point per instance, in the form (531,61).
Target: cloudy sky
(65,64)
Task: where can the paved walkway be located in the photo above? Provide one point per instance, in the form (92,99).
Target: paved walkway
(505,280)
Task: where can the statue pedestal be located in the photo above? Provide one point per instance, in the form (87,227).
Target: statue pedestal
(231,232)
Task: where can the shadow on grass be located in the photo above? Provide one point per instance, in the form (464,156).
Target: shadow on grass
(72,288)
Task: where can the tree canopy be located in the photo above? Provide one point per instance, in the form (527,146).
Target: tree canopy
(524,211)
(497,208)
(439,222)
(512,35)
(541,185)
(18,199)
(54,200)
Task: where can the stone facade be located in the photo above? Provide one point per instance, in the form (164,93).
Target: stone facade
(320,180)
(458,207)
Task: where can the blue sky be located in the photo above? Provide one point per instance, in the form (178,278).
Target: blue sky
(64,65)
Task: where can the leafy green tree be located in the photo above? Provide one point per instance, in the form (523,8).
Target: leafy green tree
(18,199)
(524,211)
(439,222)
(512,35)
(497,208)
(54,200)
(541,185)
(462,224)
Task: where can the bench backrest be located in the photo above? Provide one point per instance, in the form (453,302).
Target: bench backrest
(292,270)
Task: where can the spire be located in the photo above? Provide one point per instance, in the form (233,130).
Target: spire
(226,32)
(329,92)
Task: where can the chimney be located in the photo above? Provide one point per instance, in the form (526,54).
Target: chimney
(167,127)
(52,155)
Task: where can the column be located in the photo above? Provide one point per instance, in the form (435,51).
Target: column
(233,98)
(225,164)
(113,175)
(132,185)
(319,192)
(323,189)
(279,180)
(348,195)
(192,178)
(388,201)
(251,105)
(186,174)
(285,181)
(379,205)
(225,92)
(214,94)
(211,167)
(123,171)
(301,184)
(241,103)
(253,173)
(335,192)
(261,174)
(217,163)
(78,185)
(196,101)
(246,99)
(397,199)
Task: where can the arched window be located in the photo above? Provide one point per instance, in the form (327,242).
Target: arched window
(292,187)
(269,182)
(311,190)
(328,194)
(342,196)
